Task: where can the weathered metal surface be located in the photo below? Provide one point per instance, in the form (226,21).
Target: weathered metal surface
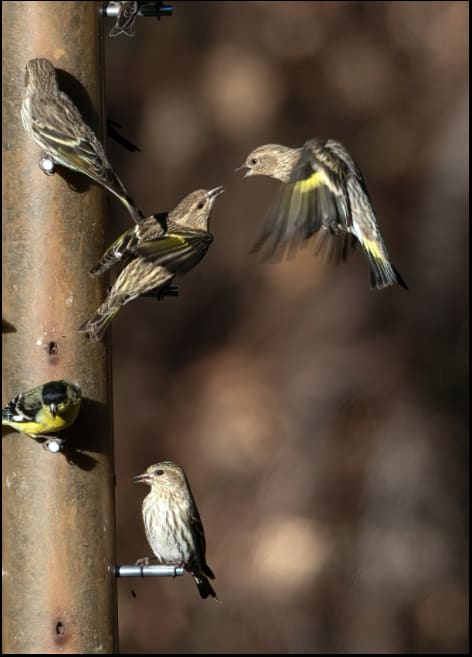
(58,509)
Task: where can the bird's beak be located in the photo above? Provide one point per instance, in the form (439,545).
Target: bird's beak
(142,478)
(53,409)
(213,193)
(243,167)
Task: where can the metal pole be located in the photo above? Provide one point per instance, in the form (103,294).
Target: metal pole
(59,587)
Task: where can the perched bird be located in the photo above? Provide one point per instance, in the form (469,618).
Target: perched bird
(127,12)
(323,192)
(55,123)
(153,253)
(172,523)
(123,248)
(43,410)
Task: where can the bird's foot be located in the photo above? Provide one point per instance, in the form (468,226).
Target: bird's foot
(333,228)
(144,561)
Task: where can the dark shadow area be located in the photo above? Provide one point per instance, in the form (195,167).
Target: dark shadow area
(7,327)
(84,434)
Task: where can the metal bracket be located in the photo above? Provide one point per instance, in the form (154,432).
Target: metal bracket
(148,571)
(146,9)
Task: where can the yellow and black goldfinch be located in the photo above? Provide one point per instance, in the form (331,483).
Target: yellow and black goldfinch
(44,410)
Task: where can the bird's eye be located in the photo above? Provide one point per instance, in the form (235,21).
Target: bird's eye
(253,161)
(201,205)
(159,472)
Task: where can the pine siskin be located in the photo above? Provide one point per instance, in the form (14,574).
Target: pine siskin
(150,228)
(154,252)
(172,523)
(323,192)
(126,18)
(55,123)
(123,248)
(43,410)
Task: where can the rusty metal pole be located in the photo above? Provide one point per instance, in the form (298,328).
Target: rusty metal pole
(59,590)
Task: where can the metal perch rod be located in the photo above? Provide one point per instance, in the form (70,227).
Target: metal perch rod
(149,571)
(147,9)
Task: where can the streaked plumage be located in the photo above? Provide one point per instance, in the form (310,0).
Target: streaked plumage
(56,125)
(172,523)
(123,248)
(323,192)
(153,253)
(126,18)
(43,410)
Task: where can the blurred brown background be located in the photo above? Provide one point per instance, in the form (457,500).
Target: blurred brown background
(323,426)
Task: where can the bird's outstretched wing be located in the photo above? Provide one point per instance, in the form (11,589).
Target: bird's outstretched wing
(313,199)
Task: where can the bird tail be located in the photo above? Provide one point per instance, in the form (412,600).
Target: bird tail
(117,188)
(204,587)
(96,326)
(8,411)
(108,259)
(97,168)
(382,273)
(134,211)
(201,579)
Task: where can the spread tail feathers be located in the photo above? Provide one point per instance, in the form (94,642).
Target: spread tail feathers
(382,273)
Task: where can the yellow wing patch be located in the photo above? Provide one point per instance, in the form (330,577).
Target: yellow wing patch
(317,179)
(173,238)
(373,248)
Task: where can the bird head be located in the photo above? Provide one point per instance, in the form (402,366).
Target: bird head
(270,160)
(194,210)
(59,395)
(164,475)
(41,76)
